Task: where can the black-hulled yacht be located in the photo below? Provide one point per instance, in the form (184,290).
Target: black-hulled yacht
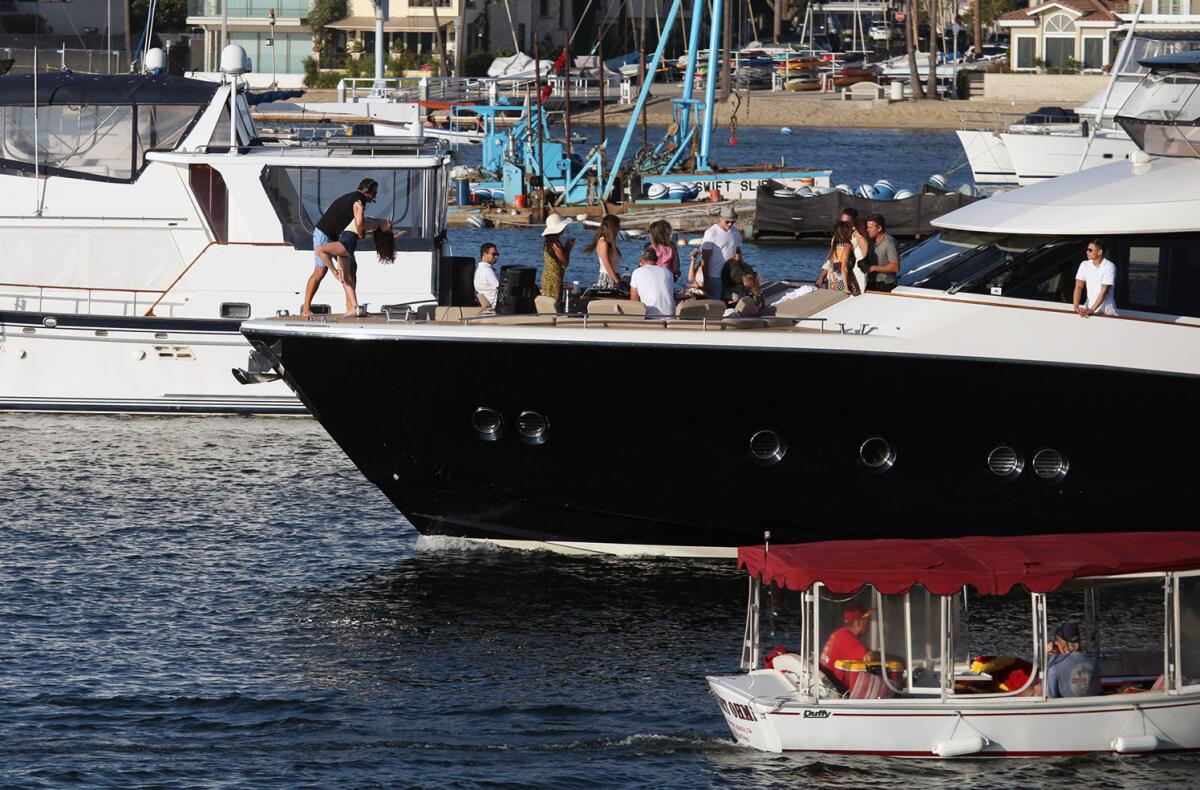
(972,399)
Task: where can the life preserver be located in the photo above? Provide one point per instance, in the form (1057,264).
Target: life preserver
(1008,673)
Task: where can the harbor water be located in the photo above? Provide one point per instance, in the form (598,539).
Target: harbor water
(855,156)
(217,602)
(213,602)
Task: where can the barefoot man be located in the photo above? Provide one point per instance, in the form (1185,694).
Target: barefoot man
(344,213)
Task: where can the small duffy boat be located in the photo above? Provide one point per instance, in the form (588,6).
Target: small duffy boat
(922,690)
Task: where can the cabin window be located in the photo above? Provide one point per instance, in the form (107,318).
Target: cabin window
(909,625)
(409,198)
(103,142)
(235,310)
(1189,629)
(1143,276)
(994,645)
(938,253)
(1045,273)
(210,192)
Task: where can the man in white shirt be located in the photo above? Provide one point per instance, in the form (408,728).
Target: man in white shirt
(653,285)
(721,241)
(1097,274)
(487,284)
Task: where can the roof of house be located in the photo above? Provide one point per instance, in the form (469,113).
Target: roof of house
(1089,10)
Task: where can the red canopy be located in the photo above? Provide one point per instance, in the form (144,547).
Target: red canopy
(993,566)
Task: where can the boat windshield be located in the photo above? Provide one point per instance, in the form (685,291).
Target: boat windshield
(1162,115)
(952,260)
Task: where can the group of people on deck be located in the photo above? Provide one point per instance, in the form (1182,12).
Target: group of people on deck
(1071,672)
(862,256)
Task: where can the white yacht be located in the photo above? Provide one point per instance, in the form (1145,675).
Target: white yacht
(139,230)
(1038,147)
(972,399)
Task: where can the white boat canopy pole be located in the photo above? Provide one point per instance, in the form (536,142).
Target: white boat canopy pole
(381,15)
(1112,81)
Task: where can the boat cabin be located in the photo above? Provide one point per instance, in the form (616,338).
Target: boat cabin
(968,627)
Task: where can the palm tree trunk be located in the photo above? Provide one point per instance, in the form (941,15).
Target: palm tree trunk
(931,91)
(438,36)
(977,23)
(910,27)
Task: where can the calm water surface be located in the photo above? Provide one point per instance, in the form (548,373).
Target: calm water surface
(190,602)
(226,602)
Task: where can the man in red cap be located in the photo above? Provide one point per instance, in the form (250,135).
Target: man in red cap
(845,645)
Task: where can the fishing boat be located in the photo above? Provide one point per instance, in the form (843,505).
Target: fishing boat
(970,399)
(141,227)
(887,659)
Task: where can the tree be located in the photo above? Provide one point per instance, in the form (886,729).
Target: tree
(931,92)
(170,16)
(910,27)
(321,14)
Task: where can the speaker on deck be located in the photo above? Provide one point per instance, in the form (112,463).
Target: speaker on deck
(456,281)
(518,287)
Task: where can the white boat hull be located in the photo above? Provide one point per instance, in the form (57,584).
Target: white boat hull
(109,364)
(764,712)
(1037,157)
(988,157)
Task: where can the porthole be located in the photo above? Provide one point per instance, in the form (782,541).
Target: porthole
(488,423)
(876,454)
(1005,462)
(767,447)
(533,427)
(240,310)
(49,322)
(1050,465)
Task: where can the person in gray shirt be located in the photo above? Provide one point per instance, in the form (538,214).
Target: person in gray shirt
(883,257)
(1071,672)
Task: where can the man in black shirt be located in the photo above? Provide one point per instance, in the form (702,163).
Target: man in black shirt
(347,209)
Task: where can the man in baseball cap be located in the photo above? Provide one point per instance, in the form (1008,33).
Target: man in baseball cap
(845,644)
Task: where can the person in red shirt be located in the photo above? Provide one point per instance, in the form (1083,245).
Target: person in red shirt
(845,644)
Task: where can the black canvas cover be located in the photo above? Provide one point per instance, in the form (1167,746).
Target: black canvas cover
(76,89)
(800,217)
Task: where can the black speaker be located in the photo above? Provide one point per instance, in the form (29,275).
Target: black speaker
(456,281)
(518,286)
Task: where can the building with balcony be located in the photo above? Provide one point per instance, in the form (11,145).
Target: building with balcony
(281,47)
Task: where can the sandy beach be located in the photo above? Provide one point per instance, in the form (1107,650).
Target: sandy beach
(773,110)
(828,112)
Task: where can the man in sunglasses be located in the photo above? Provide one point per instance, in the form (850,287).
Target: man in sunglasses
(487,284)
(1097,275)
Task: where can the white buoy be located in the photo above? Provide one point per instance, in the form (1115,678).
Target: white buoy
(937,180)
(786,130)
(156,61)
(844,189)
(968,190)
(867,191)
(903,194)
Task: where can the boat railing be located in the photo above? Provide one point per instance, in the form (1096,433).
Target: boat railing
(89,291)
(995,121)
(84,61)
(463,89)
(413,313)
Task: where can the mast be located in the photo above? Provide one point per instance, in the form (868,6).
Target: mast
(710,84)
(567,90)
(1112,81)
(537,72)
(37,190)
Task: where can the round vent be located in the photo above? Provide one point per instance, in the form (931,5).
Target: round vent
(1050,464)
(1005,462)
(767,447)
(877,454)
(488,423)
(533,427)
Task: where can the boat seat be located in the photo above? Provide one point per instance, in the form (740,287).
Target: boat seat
(524,318)
(444,313)
(545,305)
(700,308)
(615,307)
(809,304)
(765,322)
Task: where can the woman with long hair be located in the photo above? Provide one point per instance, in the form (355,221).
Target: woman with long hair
(556,256)
(664,246)
(836,270)
(343,249)
(604,244)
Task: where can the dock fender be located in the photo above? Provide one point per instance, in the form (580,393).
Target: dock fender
(960,747)
(1134,744)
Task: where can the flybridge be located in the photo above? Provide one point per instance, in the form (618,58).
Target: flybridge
(1162,115)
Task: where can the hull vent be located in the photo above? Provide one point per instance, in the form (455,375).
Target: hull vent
(877,454)
(533,427)
(488,423)
(1050,464)
(767,447)
(1005,462)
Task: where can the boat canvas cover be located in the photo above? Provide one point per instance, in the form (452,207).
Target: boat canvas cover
(992,565)
(63,88)
(816,215)
(518,66)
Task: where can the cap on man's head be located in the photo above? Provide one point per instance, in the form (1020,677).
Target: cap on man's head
(728,214)
(1068,632)
(856,613)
